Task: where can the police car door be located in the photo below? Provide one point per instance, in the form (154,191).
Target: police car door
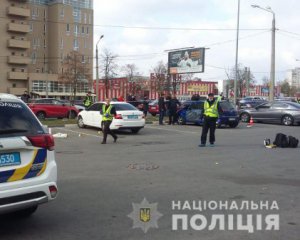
(96,115)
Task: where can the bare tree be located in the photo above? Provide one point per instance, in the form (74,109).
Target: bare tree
(130,70)
(160,73)
(75,72)
(109,68)
(241,81)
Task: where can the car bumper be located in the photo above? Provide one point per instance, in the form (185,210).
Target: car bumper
(230,119)
(117,124)
(29,192)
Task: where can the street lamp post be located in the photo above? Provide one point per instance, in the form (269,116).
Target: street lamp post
(97,69)
(272,72)
(237,54)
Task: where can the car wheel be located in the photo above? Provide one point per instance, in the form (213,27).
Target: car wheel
(27,212)
(153,114)
(135,130)
(245,117)
(233,124)
(41,115)
(80,122)
(181,121)
(287,120)
(72,114)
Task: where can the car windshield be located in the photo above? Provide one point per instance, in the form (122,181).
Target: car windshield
(17,120)
(226,106)
(124,107)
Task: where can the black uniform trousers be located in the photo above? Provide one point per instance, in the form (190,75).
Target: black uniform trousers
(173,116)
(209,124)
(106,130)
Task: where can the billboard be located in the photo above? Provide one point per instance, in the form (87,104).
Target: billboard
(186,61)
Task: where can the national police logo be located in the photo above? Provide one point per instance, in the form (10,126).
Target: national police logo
(145,215)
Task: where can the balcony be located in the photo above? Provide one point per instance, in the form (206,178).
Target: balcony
(19,28)
(17,76)
(18,11)
(17,91)
(14,43)
(20,60)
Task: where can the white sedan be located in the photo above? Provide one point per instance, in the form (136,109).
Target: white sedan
(128,117)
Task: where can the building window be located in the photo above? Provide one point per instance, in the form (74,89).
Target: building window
(14,85)
(31,27)
(68,27)
(85,18)
(75,29)
(75,44)
(33,58)
(61,43)
(62,12)
(87,30)
(45,28)
(90,19)
(82,29)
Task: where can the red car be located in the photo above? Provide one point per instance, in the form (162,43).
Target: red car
(52,108)
(153,108)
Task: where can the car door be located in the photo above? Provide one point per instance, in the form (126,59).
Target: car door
(93,116)
(60,109)
(194,112)
(278,110)
(262,112)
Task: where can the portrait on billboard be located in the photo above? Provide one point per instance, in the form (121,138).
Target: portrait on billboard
(186,61)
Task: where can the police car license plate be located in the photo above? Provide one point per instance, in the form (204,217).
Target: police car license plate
(231,119)
(132,117)
(10,159)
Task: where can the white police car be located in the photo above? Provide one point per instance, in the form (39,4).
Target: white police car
(127,117)
(28,170)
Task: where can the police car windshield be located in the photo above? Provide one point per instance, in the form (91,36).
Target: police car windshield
(124,107)
(17,120)
(226,106)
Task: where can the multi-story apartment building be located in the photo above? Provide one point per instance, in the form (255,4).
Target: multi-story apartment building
(293,77)
(35,38)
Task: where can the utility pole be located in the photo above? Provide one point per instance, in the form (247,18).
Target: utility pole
(247,73)
(97,70)
(237,53)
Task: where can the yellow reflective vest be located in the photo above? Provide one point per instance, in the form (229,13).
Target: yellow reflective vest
(212,111)
(106,113)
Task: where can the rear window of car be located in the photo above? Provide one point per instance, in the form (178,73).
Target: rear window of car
(226,106)
(124,107)
(17,120)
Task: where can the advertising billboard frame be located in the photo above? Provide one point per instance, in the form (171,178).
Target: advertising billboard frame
(186,61)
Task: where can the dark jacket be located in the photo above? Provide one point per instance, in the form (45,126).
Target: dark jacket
(172,104)
(161,104)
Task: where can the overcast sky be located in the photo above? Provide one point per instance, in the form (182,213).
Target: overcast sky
(171,24)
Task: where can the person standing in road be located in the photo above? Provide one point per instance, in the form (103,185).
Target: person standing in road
(25,97)
(108,112)
(88,100)
(145,106)
(172,107)
(211,114)
(161,108)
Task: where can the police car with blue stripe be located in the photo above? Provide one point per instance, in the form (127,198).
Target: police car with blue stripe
(28,171)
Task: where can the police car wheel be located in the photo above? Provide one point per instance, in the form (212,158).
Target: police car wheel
(80,122)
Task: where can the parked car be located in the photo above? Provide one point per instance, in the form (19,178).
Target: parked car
(128,117)
(69,103)
(52,108)
(192,112)
(28,171)
(250,102)
(153,108)
(286,113)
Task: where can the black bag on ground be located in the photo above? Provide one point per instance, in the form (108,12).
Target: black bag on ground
(281,140)
(293,142)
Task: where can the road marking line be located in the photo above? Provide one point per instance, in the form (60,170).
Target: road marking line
(174,130)
(82,133)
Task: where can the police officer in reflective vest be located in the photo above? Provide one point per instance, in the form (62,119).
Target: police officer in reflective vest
(211,114)
(88,101)
(108,112)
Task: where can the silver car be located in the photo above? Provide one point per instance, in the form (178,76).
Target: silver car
(283,112)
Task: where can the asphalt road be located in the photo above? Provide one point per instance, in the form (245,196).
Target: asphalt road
(98,183)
